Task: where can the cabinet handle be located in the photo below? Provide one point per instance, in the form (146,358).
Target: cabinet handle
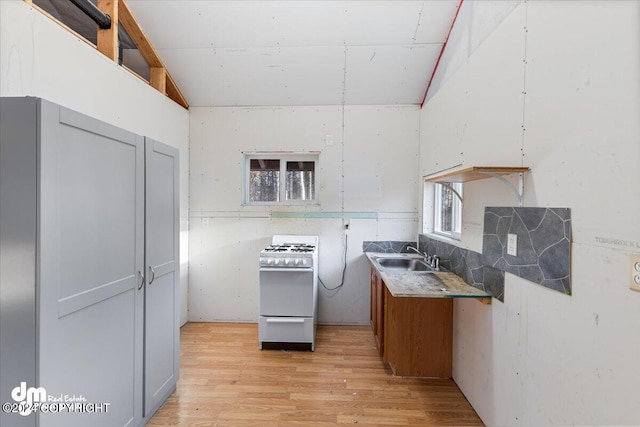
(141,276)
(152,274)
(285,320)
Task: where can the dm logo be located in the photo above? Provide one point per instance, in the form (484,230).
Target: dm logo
(27,397)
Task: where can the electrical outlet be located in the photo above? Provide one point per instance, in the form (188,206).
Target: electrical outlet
(512,244)
(635,273)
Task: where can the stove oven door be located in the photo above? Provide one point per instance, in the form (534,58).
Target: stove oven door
(287,292)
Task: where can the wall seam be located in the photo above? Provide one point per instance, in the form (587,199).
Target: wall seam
(524,82)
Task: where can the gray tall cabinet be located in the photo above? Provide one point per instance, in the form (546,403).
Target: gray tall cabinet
(89,266)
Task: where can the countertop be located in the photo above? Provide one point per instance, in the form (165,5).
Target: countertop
(426,285)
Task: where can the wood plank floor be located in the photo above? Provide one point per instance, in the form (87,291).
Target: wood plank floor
(225,380)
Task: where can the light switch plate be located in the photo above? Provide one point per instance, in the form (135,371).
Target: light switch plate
(512,244)
(634,278)
(328,139)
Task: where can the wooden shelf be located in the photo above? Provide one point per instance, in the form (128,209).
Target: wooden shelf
(474,173)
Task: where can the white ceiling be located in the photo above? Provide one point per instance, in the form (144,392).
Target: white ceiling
(258,53)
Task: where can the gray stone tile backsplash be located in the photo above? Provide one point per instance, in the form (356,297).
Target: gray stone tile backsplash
(544,244)
(469,265)
(387,246)
(543,250)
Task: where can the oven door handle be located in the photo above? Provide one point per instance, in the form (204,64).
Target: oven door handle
(285,320)
(290,269)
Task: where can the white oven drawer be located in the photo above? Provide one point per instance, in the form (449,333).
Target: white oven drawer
(286,329)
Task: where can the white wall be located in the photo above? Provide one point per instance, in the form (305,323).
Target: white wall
(542,357)
(39,58)
(475,22)
(375,146)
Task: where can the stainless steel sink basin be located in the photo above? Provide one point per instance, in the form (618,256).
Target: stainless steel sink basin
(403,264)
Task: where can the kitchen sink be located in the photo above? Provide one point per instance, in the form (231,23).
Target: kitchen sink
(403,264)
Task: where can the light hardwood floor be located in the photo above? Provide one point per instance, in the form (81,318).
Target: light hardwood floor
(225,380)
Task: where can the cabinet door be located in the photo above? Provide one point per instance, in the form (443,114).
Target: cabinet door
(162,273)
(18,225)
(372,301)
(90,261)
(418,336)
(377,309)
(380,287)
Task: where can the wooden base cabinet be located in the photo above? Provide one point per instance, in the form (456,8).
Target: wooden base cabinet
(418,335)
(414,335)
(89,277)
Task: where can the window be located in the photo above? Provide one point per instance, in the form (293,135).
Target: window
(447,215)
(276,178)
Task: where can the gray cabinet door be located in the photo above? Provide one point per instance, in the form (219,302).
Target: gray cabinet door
(162,272)
(18,226)
(90,256)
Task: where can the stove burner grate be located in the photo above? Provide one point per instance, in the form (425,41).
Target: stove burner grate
(290,247)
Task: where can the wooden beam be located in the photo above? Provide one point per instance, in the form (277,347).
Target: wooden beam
(174,93)
(108,45)
(132,27)
(108,39)
(149,54)
(159,79)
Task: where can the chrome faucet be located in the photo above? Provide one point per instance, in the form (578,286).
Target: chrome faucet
(424,255)
(432,260)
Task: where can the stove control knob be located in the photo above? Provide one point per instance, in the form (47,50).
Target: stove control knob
(269,261)
(297,261)
(304,262)
(287,261)
(276,262)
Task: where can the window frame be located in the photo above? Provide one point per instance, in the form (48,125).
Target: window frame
(456,211)
(283,157)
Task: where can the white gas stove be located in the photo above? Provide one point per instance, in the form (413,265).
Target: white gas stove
(289,292)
